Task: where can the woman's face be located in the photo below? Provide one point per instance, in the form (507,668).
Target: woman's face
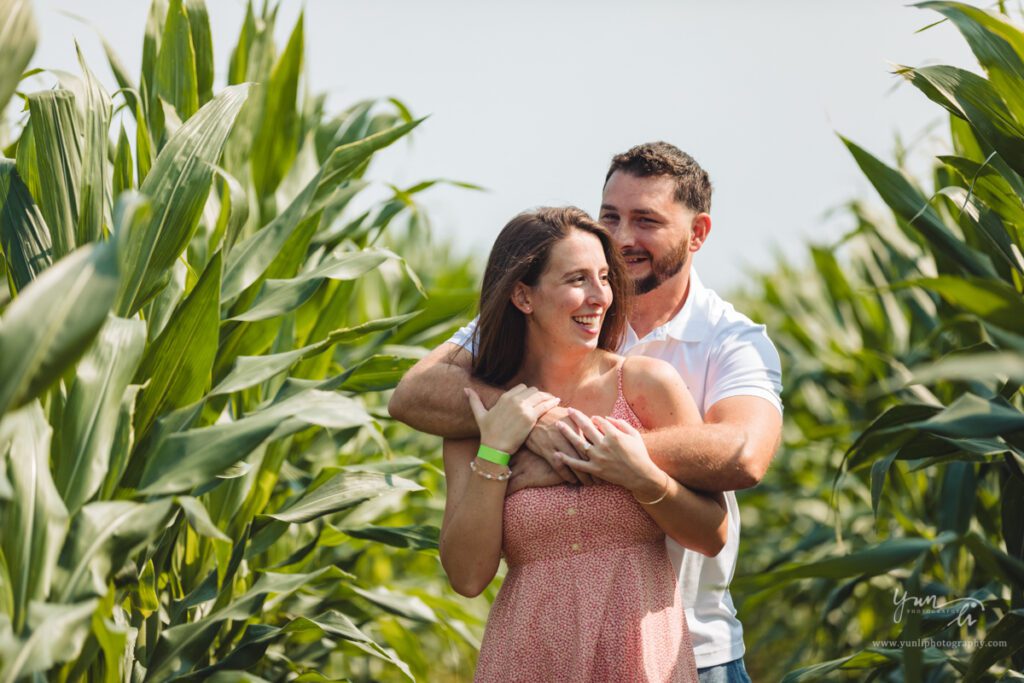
(571,298)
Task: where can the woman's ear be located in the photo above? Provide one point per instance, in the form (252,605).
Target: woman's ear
(521,298)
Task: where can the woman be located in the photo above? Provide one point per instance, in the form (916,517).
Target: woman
(590,594)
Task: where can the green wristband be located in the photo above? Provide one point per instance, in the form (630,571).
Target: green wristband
(493,455)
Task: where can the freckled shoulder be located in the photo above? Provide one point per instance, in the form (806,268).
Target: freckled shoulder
(655,391)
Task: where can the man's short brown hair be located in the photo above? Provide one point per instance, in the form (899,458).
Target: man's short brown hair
(693,186)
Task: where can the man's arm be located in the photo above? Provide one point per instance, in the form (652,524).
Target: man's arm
(431,396)
(729,452)
(743,420)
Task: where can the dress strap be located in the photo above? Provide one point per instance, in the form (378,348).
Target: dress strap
(622,409)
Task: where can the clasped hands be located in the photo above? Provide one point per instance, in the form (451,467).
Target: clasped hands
(553,445)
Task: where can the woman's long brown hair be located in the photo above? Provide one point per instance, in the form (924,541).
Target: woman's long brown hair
(520,254)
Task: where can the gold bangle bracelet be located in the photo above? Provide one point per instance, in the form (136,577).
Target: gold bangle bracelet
(504,476)
(659,498)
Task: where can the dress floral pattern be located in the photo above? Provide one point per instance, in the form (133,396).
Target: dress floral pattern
(590,594)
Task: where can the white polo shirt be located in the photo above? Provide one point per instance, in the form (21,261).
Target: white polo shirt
(719,353)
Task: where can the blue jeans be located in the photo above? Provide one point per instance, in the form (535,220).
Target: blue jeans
(731,672)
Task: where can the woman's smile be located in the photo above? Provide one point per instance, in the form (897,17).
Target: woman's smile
(591,323)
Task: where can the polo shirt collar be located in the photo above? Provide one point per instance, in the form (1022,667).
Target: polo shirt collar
(691,323)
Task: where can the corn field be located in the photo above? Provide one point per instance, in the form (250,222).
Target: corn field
(209,295)
(902,472)
(196,481)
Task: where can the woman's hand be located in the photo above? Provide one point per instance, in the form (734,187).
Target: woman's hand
(615,453)
(507,424)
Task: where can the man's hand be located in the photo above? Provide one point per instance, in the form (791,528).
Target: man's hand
(546,439)
(530,471)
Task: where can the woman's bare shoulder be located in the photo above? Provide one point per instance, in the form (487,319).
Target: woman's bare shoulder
(656,392)
(645,373)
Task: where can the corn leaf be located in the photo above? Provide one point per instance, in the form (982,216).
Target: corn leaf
(250,258)
(874,560)
(972,417)
(988,298)
(276,141)
(990,186)
(145,149)
(177,363)
(252,338)
(199,518)
(187,459)
(278,297)
(202,43)
(378,373)
(971,97)
(238,65)
(907,203)
(418,537)
(864,659)
(18,37)
(234,212)
(24,237)
(92,208)
(342,491)
(25,156)
(996,44)
(59,160)
(151,49)
(58,635)
(176,81)
(998,365)
(181,646)
(124,441)
(124,165)
(102,534)
(129,89)
(34,525)
(81,452)
(51,323)
(178,186)
(346,160)
(408,606)
(1004,640)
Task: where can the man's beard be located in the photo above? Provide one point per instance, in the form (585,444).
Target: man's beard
(662,269)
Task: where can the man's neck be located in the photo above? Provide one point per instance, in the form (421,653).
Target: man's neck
(660,305)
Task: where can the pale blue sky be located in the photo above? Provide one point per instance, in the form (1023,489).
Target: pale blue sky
(531,99)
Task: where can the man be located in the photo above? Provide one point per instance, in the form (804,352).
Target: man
(655,203)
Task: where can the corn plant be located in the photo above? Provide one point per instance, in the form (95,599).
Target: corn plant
(194,476)
(902,475)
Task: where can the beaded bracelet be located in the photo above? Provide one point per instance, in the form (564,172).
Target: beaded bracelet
(504,476)
(659,498)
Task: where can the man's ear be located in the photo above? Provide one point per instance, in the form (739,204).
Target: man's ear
(699,231)
(521,298)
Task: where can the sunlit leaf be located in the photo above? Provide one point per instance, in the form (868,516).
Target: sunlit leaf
(178,185)
(51,323)
(342,491)
(35,524)
(58,150)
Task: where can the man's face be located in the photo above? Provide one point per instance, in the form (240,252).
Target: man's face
(652,229)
